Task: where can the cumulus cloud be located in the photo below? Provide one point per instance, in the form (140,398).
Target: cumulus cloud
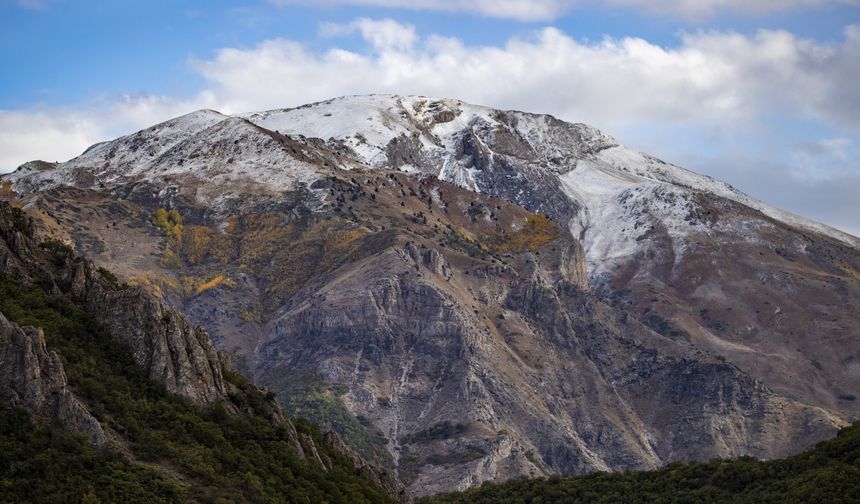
(383,34)
(60,133)
(542,10)
(714,77)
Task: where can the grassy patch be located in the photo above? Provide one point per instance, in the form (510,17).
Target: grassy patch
(537,231)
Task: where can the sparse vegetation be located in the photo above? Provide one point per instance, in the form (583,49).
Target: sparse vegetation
(9,195)
(662,326)
(192,286)
(58,250)
(309,397)
(467,454)
(537,231)
(108,275)
(201,244)
(170,223)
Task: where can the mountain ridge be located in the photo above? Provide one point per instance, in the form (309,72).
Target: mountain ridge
(665,172)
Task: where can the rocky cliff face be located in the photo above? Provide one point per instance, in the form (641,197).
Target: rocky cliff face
(478,371)
(646,314)
(168,348)
(33,377)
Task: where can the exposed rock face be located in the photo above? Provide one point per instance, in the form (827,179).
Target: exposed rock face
(33,378)
(558,384)
(169,349)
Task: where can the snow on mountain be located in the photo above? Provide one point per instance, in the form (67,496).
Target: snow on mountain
(616,195)
(213,153)
(569,171)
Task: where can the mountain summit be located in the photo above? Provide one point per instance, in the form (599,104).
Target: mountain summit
(470,294)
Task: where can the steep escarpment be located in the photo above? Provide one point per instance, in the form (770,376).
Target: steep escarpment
(450,336)
(476,371)
(170,350)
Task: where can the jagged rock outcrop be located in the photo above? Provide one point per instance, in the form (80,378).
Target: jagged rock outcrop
(168,348)
(33,377)
(541,377)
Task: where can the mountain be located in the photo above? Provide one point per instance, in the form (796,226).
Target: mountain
(468,294)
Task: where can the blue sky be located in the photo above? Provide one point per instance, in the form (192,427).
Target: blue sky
(760,93)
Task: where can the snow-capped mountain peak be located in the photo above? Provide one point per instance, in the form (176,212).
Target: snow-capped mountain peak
(571,172)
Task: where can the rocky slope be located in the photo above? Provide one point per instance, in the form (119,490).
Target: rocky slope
(34,378)
(827,473)
(139,368)
(170,350)
(645,314)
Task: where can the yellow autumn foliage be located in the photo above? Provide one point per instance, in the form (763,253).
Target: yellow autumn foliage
(537,232)
(170,223)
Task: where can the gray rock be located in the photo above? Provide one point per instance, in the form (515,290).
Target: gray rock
(169,349)
(33,378)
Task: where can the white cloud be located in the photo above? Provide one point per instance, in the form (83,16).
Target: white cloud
(383,34)
(541,10)
(712,77)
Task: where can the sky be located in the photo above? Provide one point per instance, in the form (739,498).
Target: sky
(764,94)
